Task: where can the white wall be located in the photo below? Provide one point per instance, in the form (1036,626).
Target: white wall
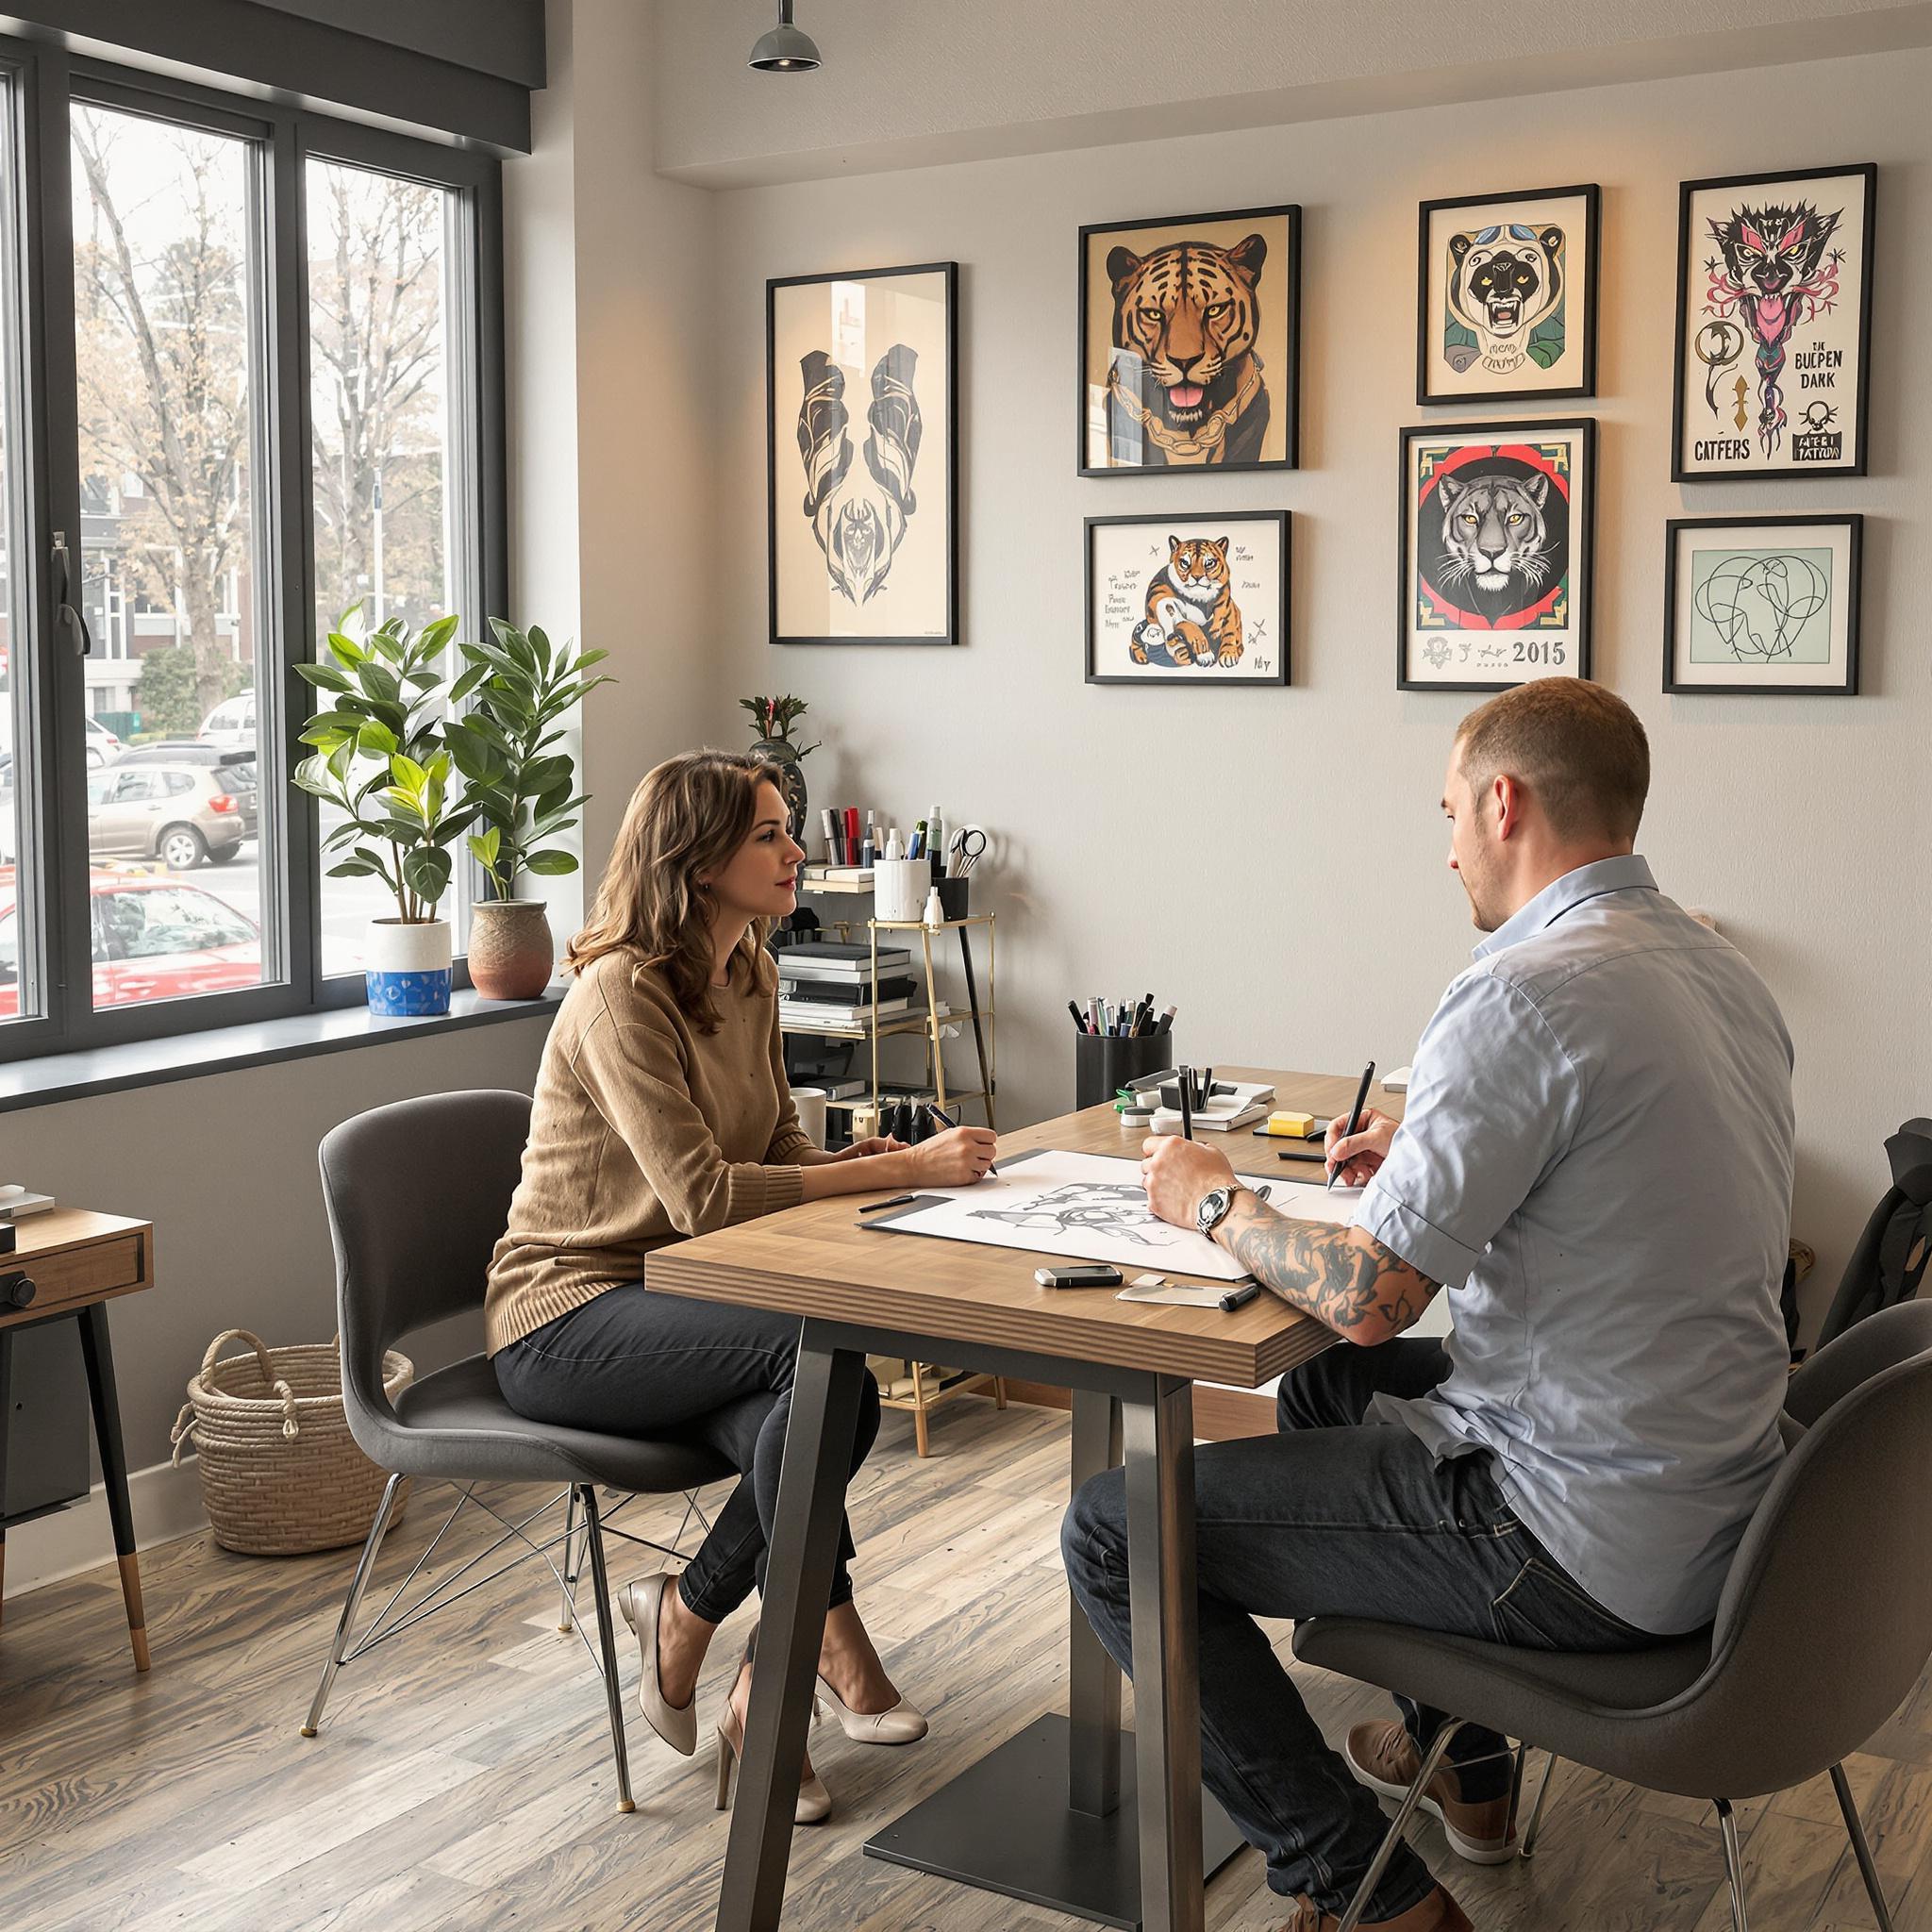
(1273,860)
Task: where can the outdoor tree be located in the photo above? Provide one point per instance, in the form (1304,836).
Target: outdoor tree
(171,701)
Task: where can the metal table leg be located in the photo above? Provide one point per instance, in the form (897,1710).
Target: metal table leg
(1094,1679)
(798,1581)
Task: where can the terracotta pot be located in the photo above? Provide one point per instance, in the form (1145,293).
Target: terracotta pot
(512,952)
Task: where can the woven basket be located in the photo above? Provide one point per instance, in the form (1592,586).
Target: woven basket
(280,1473)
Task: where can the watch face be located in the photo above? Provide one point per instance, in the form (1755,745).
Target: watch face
(1213,1208)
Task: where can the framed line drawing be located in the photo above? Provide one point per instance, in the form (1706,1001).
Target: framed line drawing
(1189,342)
(1497,566)
(1773,325)
(1506,295)
(1198,600)
(1756,606)
(862,455)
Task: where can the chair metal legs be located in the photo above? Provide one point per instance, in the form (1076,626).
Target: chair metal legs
(352,1604)
(613,1689)
(566,1615)
(1734,1865)
(1860,1850)
(1535,1816)
(1432,1758)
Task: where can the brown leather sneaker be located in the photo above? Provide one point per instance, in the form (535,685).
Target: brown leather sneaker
(1438,1912)
(1384,1757)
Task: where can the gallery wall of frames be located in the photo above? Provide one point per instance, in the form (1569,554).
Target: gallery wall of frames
(1188,359)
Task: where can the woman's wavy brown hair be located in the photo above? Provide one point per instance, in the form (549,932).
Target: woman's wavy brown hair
(688,817)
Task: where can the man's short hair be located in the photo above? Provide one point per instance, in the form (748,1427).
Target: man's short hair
(1578,748)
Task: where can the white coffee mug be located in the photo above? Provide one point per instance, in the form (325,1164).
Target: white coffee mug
(899,887)
(810,1103)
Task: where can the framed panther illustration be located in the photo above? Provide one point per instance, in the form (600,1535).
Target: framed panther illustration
(1506,296)
(1200,599)
(1773,326)
(1497,559)
(1189,342)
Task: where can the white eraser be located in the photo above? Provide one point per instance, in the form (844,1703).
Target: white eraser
(1397,1081)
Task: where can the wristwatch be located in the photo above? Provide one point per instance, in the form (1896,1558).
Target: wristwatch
(1215,1208)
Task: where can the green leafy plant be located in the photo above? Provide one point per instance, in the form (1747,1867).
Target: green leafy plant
(520,685)
(776,717)
(385,696)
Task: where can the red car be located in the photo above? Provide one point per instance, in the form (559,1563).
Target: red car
(155,938)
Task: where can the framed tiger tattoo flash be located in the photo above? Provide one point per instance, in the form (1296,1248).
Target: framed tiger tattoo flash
(1507,297)
(1195,600)
(1190,342)
(1497,565)
(1773,325)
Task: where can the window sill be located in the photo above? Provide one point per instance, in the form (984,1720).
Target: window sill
(224,1049)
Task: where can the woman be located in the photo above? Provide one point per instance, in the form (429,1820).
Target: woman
(662,1111)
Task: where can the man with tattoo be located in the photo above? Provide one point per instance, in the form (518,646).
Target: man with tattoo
(1595,1162)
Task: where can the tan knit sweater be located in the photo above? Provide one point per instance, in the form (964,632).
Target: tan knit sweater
(645,1129)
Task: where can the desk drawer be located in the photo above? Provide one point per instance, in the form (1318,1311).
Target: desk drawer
(77,1275)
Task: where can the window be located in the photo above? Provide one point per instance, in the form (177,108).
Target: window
(263,351)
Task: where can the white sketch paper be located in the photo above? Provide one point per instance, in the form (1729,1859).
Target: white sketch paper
(1092,1207)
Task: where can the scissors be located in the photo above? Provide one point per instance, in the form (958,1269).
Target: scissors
(963,850)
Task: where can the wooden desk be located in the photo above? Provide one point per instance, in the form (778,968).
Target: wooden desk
(78,1261)
(1129,1844)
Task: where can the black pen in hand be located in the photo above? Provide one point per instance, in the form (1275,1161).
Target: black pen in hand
(1355,1114)
(992,1172)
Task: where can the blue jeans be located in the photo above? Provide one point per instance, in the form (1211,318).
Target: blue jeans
(1331,1518)
(633,1363)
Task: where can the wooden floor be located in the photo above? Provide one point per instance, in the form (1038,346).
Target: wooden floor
(462,1777)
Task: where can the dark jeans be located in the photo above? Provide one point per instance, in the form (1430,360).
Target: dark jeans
(633,1363)
(1334,1519)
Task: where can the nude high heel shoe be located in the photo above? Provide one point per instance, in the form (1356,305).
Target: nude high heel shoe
(902,1724)
(814,1802)
(678,1727)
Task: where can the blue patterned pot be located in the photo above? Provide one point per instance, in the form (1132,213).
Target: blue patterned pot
(407,968)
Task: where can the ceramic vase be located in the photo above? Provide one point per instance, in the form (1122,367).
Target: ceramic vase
(512,952)
(406,968)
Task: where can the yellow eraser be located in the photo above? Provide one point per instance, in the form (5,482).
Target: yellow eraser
(1295,1126)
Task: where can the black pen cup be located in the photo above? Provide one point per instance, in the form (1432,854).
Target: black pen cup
(1106,1062)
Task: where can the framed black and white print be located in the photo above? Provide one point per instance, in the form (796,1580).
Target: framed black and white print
(1773,325)
(1190,342)
(1761,605)
(1498,564)
(861,431)
(1507,297)
(1195,600)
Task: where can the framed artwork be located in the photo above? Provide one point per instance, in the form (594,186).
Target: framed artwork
(1196,600)
(1507,297)
(861,432)
(1762,604)
(1191,341)
(1773,326)
(1497,570)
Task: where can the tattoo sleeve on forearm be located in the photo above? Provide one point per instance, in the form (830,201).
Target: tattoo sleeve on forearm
(1352,1285)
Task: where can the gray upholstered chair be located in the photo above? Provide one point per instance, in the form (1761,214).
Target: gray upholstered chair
(417,1194)
(1824,1625)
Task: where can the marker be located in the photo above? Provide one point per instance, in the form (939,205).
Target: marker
(1240,1297)
(1167,1020)
(1355,1113)
(1322,1157)
(835,850)
(1187,1080)
(851,834)
(993,1172)
(1079,1017)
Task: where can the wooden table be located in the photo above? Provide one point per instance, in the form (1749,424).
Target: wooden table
(78,1261)
(1123,1844)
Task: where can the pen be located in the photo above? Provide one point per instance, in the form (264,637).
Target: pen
(1079,1019)
(1187,1078)
(1322,1157)
(993,1172)
(1355,1113)
(1240,1297)
(834,846)
(898,1201)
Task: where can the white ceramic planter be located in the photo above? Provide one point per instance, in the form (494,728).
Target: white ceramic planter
(406,968)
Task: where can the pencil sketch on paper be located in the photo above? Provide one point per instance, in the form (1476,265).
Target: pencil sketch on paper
(1089,1207)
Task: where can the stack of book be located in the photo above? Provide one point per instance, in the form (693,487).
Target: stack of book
(824,984)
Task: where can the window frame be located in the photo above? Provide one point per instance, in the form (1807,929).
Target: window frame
(53,811)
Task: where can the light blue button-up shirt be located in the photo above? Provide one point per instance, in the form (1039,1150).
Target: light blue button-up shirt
(1595,1161)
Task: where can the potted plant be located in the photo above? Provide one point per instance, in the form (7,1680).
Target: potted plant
(520,687)
(379,759)
(774,718)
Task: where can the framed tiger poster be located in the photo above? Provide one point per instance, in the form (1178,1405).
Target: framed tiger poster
(861,432)
(1507,297)
(1195,600)
(1773,326)
(1191,341)
(1497,567)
